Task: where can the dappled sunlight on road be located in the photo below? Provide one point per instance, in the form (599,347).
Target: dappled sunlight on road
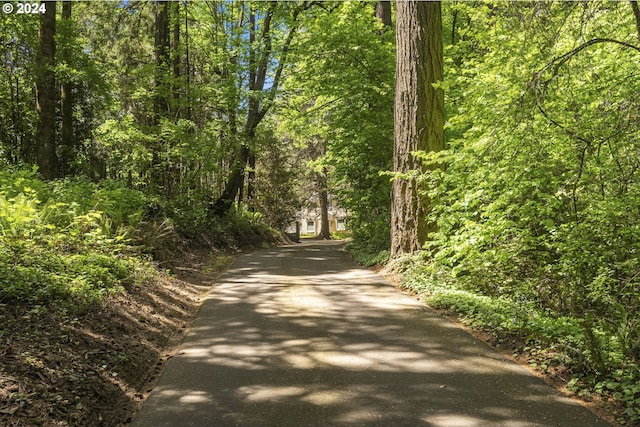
(298,336)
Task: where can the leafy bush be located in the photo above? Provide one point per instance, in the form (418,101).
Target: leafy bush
(551,339)
(368,254)
(537,210)
(56,247)
(21,180)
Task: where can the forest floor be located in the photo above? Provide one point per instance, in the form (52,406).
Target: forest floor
(95,368)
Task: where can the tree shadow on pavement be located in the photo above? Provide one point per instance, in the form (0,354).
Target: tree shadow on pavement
(298,336)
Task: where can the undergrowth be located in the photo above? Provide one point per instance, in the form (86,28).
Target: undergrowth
(551,339)
(69,243)
(367,254)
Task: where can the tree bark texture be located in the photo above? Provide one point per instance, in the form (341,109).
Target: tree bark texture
(323,193)
(176,59)
(161,103)
(47,94)
(67,149)
(418,115)
(383,12)
(161,48)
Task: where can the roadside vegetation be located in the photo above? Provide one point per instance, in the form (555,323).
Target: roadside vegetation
(71,243)
(97,284)
(134,133)
(533,206)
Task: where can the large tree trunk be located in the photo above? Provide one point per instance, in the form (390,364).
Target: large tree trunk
(47,94)
(419,117)
(67,152)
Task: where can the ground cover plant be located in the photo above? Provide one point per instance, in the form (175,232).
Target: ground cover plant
(67,243)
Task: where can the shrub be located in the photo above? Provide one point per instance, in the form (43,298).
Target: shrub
(58,249)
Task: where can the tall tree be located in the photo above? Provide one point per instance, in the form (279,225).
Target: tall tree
(419,117)
(161,49)
(18,117)
(176,59)
(261,95)
(323,195)
(46,93)
(67,148)
(346,98)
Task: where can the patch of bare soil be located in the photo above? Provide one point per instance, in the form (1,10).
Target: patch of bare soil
(96,368)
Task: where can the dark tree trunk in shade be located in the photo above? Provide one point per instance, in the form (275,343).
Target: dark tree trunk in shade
(47,94)
(67,149)
(323,193)
(383,12)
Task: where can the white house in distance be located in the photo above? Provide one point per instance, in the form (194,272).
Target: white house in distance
(309,219)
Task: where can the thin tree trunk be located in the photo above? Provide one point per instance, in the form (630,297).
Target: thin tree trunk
(636,14)
(383,12)
(47,94)
(161,103)
(25,150)
(161,47)
(321,179)
(234,183)
(176,59)
(251,179)
(454,25)
(254,106)
(66,99)
(187,65)
(173,173)
(419,117)
(257,108)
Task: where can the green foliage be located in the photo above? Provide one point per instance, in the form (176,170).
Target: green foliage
(58,248)
(340,92)
(278,183)
(238,229)
(536,212)
(366,254)
(15,181)
(550,339)
(18,38)
(340,235)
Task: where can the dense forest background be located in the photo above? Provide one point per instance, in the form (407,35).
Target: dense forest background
(126,124)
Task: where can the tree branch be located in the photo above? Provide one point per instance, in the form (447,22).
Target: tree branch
(558,62)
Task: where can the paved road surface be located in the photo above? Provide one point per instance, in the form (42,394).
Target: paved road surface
(300,336)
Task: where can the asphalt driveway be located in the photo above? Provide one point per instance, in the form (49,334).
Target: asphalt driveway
(301,336)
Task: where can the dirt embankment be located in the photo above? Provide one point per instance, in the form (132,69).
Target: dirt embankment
(95,369)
